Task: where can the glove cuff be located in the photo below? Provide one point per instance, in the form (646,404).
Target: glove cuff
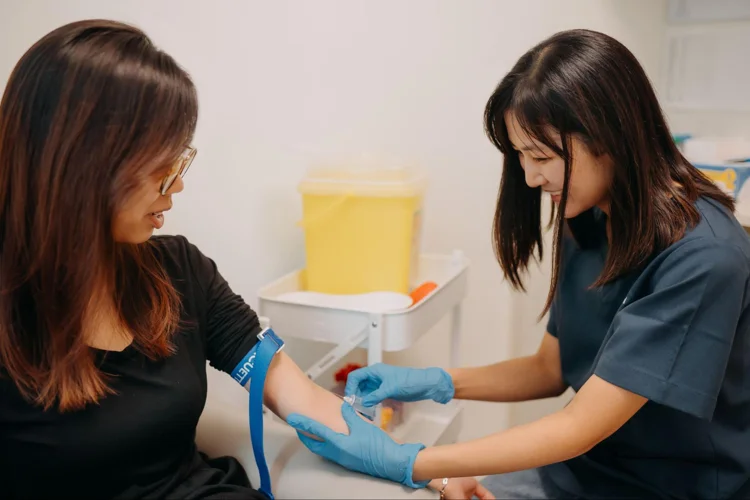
(447,390)
(412,450)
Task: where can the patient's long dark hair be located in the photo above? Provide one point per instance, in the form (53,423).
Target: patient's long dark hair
(89,112)
(586,84)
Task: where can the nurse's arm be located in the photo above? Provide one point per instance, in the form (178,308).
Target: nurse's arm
(595,413)
(520,379)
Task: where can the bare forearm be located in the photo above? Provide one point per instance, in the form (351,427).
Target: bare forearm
(519,379)
(552,439)
(595,413)
(288,391)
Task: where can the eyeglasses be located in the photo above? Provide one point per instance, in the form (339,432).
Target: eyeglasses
(180,168)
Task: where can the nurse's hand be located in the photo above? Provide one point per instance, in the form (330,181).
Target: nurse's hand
(464,488)
(380,381)
(366,449)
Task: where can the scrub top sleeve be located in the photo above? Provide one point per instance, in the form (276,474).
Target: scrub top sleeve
(552,318)
(230,326)
(672,345)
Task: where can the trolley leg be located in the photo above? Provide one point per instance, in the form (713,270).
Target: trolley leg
(375,340)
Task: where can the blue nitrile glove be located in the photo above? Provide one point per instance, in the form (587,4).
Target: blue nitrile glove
(380,381)
(366,449)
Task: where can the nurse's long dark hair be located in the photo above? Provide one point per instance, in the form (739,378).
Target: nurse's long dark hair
(91,111)
(587,85)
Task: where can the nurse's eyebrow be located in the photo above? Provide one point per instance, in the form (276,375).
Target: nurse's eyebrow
(527,148)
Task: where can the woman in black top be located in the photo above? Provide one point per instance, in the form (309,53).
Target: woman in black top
(105,330)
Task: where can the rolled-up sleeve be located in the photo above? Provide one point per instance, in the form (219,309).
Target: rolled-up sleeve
(672,345)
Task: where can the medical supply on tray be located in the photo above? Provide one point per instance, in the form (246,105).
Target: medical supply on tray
(731,177)
(392,412)
(422,291)
(723,160)
(356,403)
(361,223)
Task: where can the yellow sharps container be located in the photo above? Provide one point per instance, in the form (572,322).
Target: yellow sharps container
(362,228)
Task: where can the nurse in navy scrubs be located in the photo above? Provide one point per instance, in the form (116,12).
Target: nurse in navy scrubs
(648,304)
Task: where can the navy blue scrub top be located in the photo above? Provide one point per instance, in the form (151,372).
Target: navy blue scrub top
(677,333)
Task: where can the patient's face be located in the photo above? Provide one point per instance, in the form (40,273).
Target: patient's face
(145,210)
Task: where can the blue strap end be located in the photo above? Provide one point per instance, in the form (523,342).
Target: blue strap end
(253,368)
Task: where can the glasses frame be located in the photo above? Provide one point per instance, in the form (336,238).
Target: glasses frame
(180,168)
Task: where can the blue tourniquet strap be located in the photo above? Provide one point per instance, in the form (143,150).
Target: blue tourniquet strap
(254,367)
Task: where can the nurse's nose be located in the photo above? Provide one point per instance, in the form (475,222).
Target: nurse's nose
(534,177)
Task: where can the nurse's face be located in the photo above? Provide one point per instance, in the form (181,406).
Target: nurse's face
(590,175)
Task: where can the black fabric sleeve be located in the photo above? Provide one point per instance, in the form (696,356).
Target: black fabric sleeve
(672,345)
(230,326)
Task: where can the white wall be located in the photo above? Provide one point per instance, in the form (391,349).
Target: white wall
(283,82)
(729,120)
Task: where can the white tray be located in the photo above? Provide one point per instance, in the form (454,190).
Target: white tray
(399,329)
(430,423)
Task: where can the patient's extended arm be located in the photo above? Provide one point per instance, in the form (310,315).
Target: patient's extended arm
(288,390)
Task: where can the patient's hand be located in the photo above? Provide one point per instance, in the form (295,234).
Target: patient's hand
(462,488)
